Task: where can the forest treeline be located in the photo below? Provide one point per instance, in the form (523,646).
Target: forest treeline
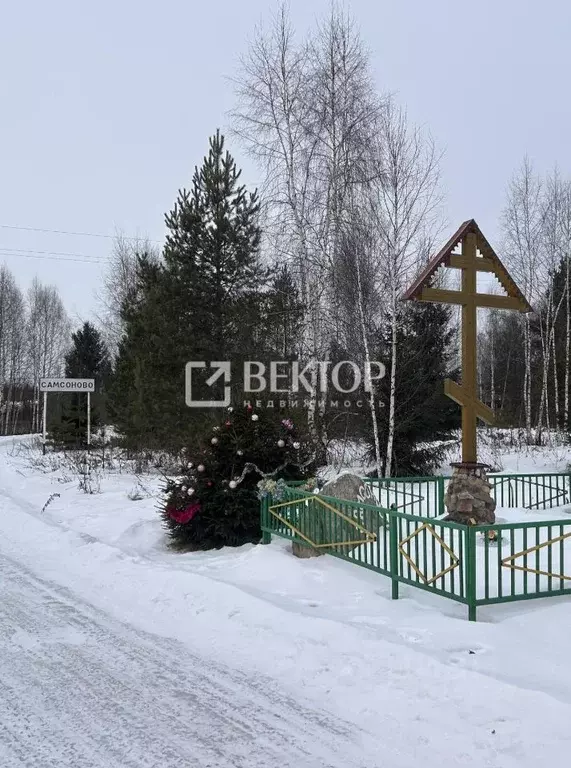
(311,267)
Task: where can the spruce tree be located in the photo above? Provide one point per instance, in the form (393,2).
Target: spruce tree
(87,359)
(424,415)
(144,387)
(282,321)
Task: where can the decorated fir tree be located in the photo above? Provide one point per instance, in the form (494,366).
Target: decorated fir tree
(215,501)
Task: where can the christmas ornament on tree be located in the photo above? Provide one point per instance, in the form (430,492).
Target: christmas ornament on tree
(225,507)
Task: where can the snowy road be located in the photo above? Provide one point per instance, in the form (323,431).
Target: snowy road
(117,653)
(80,689)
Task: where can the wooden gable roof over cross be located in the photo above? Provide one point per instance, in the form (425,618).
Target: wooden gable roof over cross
(488,261)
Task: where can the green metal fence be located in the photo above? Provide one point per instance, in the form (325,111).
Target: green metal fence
(416,495)
(410,549)
(543,490)
(425,495)
(473,565)
(522,561)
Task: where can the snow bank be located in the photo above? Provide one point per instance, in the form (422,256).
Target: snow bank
(423,684)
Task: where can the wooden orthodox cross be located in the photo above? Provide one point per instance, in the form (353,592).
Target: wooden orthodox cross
(476,255)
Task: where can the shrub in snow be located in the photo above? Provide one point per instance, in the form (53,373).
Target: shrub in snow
(215,500)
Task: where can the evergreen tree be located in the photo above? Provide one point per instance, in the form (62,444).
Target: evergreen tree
(212,256)
(145,390)
(424,414)
(87,359)
(281,326)
(215,501)
(202,302)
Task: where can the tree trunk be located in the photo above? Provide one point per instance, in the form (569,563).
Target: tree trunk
(392,392)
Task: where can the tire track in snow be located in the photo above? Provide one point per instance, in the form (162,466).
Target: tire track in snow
(80,689)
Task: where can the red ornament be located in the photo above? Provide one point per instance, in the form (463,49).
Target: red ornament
(184,515)
(209,483)
(228,423)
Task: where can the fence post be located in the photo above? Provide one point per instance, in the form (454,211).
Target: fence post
(441,509)
(471,572)
(265,504)
(394,551)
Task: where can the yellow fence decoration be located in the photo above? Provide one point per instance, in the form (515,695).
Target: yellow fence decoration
(368,536)
(454,562)
(508,562)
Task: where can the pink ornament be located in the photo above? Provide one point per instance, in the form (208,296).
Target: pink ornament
(185,515)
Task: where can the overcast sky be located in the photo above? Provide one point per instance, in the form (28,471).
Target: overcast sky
(107,107)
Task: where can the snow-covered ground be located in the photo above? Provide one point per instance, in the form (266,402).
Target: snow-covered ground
(115,652)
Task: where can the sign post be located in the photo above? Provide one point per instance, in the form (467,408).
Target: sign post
(44,420)
(88,419)
(67,385)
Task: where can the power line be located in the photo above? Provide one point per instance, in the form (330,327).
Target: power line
(51,258)
(77,234)
(50,253)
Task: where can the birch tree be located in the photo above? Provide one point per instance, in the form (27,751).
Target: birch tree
(405,206)
(119,286)
(48,335)
(566,256)
(12,329)
(522,222)
(551,253)
(307,113)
